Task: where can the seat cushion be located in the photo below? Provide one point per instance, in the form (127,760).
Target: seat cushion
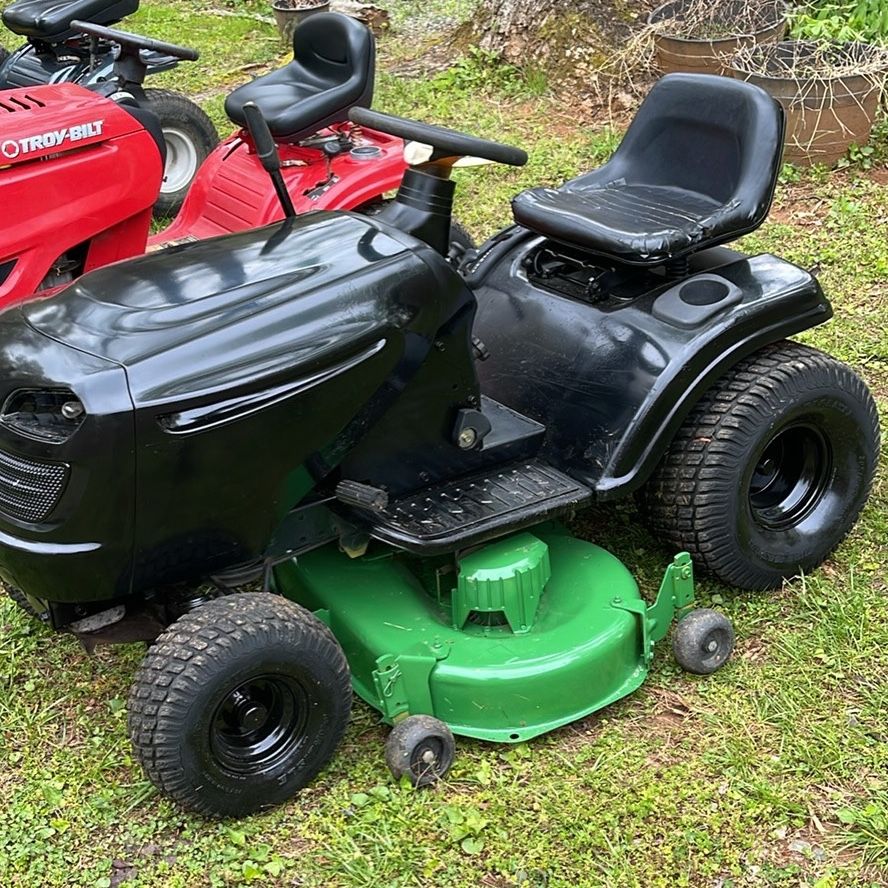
(290,105)
(635,224)
(50,20)
(332,71)
(696,168)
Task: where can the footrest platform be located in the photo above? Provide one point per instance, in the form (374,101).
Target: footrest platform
(478,507)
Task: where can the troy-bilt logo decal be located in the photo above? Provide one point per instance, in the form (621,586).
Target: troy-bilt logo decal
(12,148)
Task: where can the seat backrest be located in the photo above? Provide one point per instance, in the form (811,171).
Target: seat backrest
(718,137)
(50,20)
(332,49)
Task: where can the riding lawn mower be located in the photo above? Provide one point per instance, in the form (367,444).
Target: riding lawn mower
(83,171)
(57,50)
(316,459)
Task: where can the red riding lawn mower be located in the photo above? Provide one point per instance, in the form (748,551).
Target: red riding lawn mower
(82,167)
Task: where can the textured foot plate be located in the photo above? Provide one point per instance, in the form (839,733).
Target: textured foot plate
(478,507)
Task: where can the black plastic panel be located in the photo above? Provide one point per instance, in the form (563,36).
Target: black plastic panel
(612,381)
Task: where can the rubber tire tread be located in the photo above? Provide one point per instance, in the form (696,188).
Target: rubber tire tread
(19,598)
(684,501)
(172,106)
(194,650)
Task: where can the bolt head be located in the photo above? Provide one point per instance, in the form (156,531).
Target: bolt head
(72,409)
(467,438)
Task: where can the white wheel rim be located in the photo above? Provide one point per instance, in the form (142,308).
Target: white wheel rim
(181,161)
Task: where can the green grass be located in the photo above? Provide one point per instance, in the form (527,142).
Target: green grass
(772,772)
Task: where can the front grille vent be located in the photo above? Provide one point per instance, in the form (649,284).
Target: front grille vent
(29,491)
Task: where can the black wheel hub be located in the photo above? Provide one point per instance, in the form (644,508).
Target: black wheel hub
(713,645)
(259,724)
(426,756)
(790,477)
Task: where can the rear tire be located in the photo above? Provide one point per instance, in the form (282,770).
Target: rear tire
(771,469)
(190,137)
(461,242)
(239,704)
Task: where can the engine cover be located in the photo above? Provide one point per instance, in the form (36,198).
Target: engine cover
(220,380)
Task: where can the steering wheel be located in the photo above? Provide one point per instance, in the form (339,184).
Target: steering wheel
(446,142)
(136,41)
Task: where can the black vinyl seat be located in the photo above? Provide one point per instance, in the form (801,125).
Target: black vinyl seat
(696,168)
(50,20)
(332,70)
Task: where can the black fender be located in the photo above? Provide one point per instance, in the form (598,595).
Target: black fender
(613,380)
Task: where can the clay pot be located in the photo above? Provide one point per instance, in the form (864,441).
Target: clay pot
(711,55)
(289,13)
(825,115)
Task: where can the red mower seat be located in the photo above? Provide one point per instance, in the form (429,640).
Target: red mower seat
(697,167)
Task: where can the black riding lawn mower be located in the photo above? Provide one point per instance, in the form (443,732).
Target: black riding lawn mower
(381,447)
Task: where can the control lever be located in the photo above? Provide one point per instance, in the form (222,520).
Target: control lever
(268,155)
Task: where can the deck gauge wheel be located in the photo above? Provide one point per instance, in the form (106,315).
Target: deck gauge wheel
(420,748)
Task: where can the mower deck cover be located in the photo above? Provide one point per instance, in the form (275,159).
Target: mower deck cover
(540,629)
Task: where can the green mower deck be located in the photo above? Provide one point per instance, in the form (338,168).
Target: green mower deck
(534,631)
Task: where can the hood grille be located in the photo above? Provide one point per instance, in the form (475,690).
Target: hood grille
(29,491)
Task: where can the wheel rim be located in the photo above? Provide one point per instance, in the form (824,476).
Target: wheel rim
(714,647)
(427,758)
(181,161)
(259,724)
(790,477)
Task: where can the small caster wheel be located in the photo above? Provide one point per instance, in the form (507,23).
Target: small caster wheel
(420,748)
(702,641)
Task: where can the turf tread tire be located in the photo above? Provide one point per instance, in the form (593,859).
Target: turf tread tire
(686,500)
(173,107)
(19,598)
(191,652)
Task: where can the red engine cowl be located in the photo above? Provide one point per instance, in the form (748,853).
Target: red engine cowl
(78,178)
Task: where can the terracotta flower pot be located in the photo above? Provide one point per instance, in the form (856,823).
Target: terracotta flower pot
(289,13)
(729,27)
(825,113)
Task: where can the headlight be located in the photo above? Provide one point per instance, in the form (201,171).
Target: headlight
(47,415)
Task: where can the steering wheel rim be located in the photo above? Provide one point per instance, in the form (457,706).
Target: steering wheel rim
(450,142)
(137,41)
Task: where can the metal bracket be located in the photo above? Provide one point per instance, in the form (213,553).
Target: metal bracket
(402,683)
(675,595)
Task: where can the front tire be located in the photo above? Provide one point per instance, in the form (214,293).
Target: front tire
(239,704)
(771,469)
(21,600)
(190,137)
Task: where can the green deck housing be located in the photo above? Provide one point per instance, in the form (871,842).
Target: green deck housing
(532,632)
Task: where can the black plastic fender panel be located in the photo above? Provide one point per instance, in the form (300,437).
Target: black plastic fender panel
(614,379)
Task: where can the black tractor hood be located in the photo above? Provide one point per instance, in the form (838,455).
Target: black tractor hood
(203,317)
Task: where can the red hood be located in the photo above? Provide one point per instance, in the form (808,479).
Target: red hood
(43,120)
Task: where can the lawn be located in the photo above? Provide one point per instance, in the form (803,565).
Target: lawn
(773,772)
